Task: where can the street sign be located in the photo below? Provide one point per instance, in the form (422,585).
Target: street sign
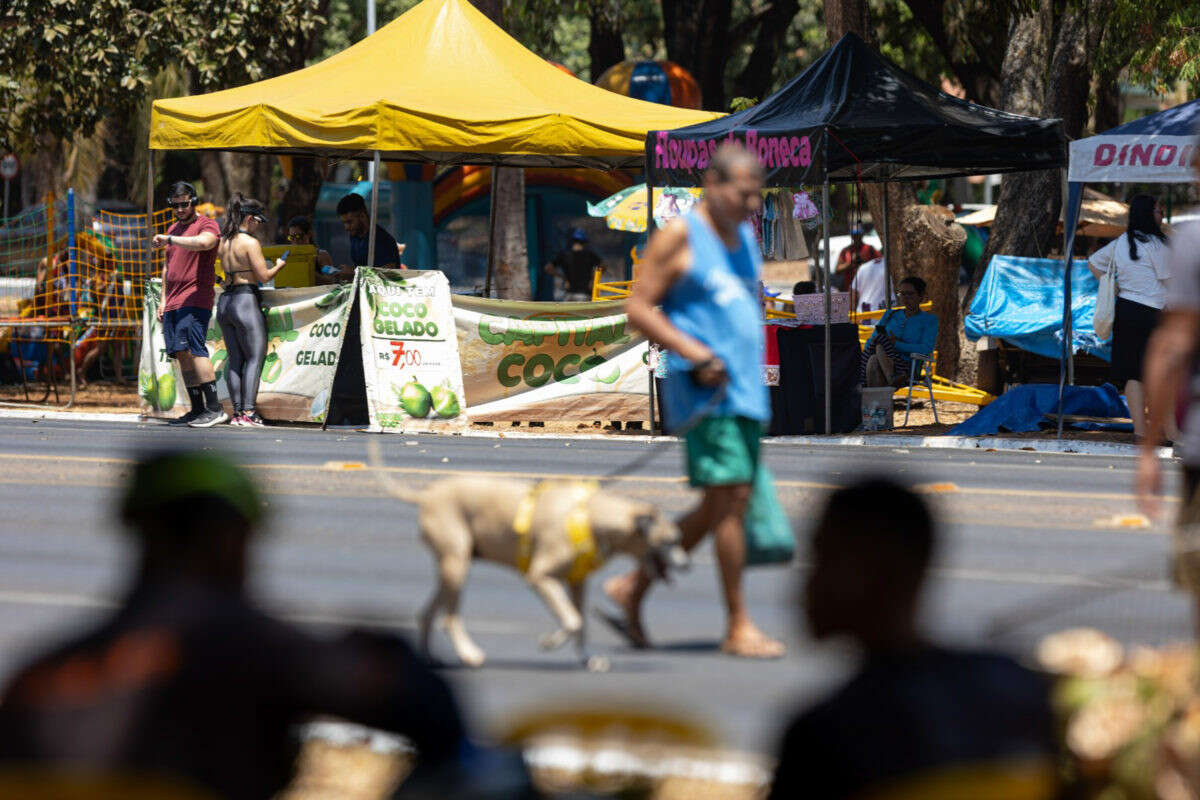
(9,167)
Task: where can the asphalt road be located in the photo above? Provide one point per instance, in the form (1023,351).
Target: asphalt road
(1029,548)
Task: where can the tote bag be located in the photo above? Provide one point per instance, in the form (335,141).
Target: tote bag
(769,536)
(1106,304)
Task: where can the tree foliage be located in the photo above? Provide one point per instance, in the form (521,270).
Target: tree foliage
(68,64)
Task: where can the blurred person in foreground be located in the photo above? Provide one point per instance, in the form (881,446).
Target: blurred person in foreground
(917,720)
(187,689)
(703,270)
(1172,377)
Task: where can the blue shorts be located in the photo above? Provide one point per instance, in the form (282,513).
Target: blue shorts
(186,328)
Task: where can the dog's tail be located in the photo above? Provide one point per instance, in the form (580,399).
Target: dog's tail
(389,484)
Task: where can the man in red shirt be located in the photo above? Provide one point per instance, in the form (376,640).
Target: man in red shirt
(853,256)
(188,277)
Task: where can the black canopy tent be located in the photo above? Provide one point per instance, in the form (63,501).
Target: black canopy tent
(853,116)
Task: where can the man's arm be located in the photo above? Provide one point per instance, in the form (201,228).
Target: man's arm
(1170,349)
(205,240)
(661,266)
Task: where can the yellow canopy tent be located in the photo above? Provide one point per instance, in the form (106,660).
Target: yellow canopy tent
(440,84)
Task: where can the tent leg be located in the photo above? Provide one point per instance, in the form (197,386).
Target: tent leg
(491,258)
(374,212)
(887,267)
(828,310)
(1072,197)
(649,230)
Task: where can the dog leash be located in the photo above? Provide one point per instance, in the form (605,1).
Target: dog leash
(694,419)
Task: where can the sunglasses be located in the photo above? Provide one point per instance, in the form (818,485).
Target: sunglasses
(183,205)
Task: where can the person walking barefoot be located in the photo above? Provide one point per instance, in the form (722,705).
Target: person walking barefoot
(703,270)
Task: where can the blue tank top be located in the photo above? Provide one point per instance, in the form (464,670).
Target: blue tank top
(716,302)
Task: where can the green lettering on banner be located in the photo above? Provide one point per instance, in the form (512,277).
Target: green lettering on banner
(502,374)
(545,363)
(486,333)
(560,370)
(593,360)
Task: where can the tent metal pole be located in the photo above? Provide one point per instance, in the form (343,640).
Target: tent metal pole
(649,231)
(887,267)
(373,222)
(828,309)
(491,262)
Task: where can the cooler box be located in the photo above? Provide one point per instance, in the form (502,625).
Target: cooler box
(301,268)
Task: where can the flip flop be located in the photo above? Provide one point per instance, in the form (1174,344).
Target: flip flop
(729,650)
(617,623)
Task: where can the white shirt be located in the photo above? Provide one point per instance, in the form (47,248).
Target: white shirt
(870,284)
(1143,281)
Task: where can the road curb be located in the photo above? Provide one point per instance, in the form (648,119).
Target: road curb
(1065,446)
(67,416)
(896,440)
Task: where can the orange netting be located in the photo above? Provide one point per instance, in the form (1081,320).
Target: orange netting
(85,296)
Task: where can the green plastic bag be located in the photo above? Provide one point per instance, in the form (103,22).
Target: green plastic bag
(769,535)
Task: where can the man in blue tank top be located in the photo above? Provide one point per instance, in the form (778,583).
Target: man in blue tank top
(703,270)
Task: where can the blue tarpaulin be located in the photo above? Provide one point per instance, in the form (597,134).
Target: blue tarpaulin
(1020,300)
(1022,408)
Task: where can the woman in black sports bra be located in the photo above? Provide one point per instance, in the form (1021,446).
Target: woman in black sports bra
(239,309)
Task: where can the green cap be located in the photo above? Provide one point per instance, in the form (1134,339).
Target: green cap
(163,479)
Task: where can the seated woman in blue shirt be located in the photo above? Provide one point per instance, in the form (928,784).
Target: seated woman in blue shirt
(886,357)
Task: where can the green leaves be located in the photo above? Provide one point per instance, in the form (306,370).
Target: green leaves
(67,64)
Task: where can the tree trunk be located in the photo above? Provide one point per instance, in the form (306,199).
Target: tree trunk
(511,276)
(933,247)
(755,79)
(845,16)
(606,45)
(1108,101)
(300,197)
(1027,207)
(1031,202)
(848,16)
(697,38)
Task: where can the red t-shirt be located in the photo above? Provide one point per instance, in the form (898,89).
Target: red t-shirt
(190,273)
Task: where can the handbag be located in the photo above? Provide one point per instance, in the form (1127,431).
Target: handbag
(769,535)
(1106,304)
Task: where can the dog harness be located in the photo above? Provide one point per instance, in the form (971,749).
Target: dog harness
(579,528)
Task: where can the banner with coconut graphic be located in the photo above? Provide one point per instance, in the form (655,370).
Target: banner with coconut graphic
(410,351)
(550,361)
(305,331)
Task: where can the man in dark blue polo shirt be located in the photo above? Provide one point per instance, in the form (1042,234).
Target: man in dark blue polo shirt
(352,210)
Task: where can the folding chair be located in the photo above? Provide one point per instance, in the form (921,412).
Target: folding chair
(922,374)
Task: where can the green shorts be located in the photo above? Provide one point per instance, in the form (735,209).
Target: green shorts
(723,451)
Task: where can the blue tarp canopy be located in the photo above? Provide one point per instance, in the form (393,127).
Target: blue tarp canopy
(1020,300)
(1022,408)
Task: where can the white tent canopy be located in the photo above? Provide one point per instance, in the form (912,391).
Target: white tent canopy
(1159,148)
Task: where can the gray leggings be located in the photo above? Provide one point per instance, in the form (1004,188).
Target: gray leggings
(245,331)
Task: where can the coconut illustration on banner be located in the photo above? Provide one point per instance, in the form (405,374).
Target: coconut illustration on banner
(414,399)
(445,401)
